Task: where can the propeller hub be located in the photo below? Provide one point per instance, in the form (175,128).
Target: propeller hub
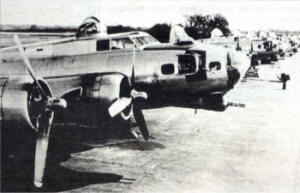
(138,94)
(57,103)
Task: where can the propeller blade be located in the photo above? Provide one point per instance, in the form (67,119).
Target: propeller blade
(132,78)
(27,63)
(137,111)
(140,120)
(119,105)
(42,142)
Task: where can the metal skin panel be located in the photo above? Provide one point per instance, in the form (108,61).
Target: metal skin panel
(121,61)
(74,48)
(63,85)
(150,73)
(148,64)
(9,63)
(40,51)
(107,88)
(99,93)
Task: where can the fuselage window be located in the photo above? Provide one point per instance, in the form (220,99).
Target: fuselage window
(102,45)
(214,66)
(187,64)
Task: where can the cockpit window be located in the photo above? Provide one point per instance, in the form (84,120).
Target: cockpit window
(121,43)
(124,43)
(137,42)
(128,43)
(144,40)
(148,39)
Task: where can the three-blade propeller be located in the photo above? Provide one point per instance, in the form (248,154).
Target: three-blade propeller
(50,103)
(122,103)
(44,119)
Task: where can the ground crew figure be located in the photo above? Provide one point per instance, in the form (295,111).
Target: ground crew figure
(284,78)
(238,48)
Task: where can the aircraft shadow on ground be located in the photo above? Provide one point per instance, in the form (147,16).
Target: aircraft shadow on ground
(17,171)
(17,163)
(17,160)
(57,179)
(62,179)
(17,166)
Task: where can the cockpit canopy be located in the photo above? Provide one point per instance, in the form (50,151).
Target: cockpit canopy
(90,26)
(131,39)
(145,40)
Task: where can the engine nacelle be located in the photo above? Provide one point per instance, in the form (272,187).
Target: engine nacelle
(14,102)
(107,88)
(17,108)
(99,92)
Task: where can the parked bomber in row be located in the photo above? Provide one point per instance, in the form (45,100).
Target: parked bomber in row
(93,76)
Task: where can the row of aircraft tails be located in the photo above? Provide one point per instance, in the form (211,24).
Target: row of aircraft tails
(93,76)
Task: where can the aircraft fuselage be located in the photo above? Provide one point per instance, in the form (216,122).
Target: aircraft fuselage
(61,63)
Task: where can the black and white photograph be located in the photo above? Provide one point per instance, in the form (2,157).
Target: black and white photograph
(149,96)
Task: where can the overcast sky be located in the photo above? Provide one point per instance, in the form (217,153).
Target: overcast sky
(247,15)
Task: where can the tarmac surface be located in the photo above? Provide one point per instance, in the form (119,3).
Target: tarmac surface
(251,149)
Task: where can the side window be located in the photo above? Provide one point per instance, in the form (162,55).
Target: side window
(187,64)
(214,66)
(102,45)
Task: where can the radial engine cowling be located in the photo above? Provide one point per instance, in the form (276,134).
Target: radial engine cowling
(19,105)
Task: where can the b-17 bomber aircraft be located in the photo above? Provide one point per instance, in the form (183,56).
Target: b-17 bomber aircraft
(94,76)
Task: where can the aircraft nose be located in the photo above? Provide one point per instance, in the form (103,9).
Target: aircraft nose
(233,76)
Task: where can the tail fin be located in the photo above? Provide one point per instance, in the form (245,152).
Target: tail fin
(179,37)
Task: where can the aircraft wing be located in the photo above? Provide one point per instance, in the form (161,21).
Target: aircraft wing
(6,38)
(62,85)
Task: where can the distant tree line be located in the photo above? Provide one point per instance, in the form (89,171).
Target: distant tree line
(196,26)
